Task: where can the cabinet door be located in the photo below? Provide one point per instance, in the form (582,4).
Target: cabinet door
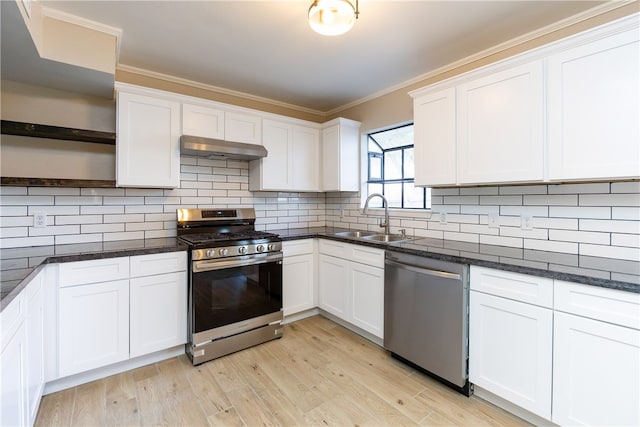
(593,109)
(93,326)
(333,277)
(13,367)
(242,128)
(305,162)
(510,351)
(331,158)
(202,121)
(435,138)
(340,156)
(500,127)
(275,169)
(148,142)
(298,282)
(596,372)
(34,327)
(163,323)
(367,298)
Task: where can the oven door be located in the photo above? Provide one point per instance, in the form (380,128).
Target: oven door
(233,296)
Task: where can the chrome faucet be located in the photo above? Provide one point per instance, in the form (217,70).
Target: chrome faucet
(384,224)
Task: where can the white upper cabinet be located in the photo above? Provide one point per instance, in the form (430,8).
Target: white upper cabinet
(148,141)
(500,126)
(435,138)
(594,98)
(292,162)
(198,120)
(241,127)
(340,155)
(566,111)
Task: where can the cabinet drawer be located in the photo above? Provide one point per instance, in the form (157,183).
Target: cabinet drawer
(515,286)
(149,265)
(608,305)
(94,271)
(297,247)
(366,255)
(334,248)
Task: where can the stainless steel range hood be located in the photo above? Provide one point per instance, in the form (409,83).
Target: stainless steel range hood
(220,149)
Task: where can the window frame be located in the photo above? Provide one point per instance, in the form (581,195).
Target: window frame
(370,137)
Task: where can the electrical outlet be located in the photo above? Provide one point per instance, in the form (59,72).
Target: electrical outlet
(493,220)
(39,220)
(526,222)
(443,218)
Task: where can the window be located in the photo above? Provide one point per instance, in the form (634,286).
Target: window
(391,169)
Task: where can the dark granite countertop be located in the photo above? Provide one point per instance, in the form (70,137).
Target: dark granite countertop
(589,270)
(19,265)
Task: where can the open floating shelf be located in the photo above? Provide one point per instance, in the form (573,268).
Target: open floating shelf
(56,132)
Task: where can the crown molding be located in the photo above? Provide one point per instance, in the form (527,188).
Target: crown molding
(540,32)
(218,89)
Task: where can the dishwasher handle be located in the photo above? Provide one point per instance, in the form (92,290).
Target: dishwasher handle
(422,270)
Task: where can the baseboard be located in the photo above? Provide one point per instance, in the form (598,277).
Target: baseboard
(511,408)
(299,316)
(368,335)
(107,371)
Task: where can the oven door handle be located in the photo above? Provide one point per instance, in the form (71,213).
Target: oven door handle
(209,265)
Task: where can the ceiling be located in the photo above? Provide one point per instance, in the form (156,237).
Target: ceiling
(266,48)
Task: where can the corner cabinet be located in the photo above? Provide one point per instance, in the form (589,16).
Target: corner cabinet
(594,92)
(147,141)
(292,162)
(340,155)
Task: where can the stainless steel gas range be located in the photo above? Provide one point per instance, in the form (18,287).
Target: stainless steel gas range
(235,281)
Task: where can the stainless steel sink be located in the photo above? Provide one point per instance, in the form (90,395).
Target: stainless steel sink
(387,238)
(354,233)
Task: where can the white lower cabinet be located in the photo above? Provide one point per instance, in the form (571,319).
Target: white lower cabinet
(367,298)
(13,364)
(298,276)
(93,326)
(158,307)
(571,356)
(108,322)
(510,351)
(596,356)
(351,284)
(34,327)
(333,276)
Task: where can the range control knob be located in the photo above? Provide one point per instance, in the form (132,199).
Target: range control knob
(210,253)
(242,249)
(223,252)
(271,247)
(260,248)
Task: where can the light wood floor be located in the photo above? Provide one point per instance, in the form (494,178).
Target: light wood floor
(318,374)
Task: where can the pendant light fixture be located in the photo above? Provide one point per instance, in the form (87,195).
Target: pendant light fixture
(332,17)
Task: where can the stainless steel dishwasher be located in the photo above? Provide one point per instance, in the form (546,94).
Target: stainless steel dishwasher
(426,316)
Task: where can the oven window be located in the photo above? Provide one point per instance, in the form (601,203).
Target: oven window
(230,295)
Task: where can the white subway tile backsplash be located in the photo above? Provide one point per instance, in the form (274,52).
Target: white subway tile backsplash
(551,246)
(566,217)
(619,252)
(580,236)
(78,200)
(610,200)
(13,191)
(13,232)
(614,226)
(26,200)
